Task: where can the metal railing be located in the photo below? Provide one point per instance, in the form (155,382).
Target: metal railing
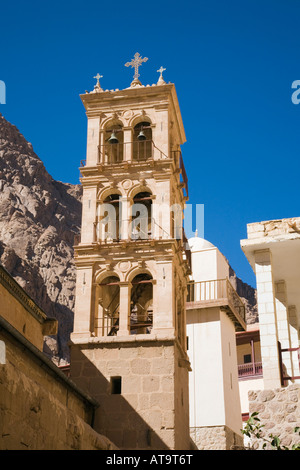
(136,151)
(137,229)
(251,369)
(217,290)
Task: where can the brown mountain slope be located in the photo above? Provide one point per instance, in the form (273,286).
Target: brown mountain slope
(38,220)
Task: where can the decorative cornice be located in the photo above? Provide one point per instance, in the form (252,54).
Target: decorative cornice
(19,293)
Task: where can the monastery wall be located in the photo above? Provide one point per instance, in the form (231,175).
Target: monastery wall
(38,409)
(279,412)
(215,438)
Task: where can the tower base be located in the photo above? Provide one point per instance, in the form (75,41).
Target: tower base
(141,385)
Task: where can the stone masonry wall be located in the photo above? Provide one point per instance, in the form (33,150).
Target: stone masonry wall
(142,416)
(38,412)
(215,438)
(279,412)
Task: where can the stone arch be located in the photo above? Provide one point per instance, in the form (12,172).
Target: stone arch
(113,150)
(109,215)
(138,188)
(101,274)
(135,270)
(103,193)
(142,138)
(107,304)
(141,215)
(136,119)
(141,303)
(111,121)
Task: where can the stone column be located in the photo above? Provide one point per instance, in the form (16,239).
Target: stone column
(124,315)
(161,211)
(163,299)
(83,306)
(92,141)
(267,319)
(101,150)
(125,235)
(89,199)
(160,134)
(127,155)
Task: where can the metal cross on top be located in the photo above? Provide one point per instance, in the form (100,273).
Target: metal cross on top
(136,63)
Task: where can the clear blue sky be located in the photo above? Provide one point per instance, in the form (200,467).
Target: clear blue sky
(233,63)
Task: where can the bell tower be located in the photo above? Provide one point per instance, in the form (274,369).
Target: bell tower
(128,346)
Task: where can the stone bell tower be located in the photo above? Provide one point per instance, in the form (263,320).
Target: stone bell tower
(128,347)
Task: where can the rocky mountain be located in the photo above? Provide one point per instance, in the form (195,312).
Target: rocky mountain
(247,294)
(39,218)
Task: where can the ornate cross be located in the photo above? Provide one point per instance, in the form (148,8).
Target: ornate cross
(136,63)
(98,76)
(161,70)
(161,80)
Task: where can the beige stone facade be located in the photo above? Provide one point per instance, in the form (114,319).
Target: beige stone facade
(20,310)
(40,408)
(153,401)
(215,438)
(129,341)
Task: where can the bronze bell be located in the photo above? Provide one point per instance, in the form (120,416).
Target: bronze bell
(141,135)
(113,139)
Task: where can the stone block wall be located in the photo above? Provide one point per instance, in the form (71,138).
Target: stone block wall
(279,412)
(38,411)
(215,438)
(151,412)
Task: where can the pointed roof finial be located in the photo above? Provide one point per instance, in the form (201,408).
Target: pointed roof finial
(161,80)
(136,63)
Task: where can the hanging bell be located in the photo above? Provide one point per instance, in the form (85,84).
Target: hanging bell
(113,139)
(141,135)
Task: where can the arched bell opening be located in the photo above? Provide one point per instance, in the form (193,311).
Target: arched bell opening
(114,144)
(141,305)
(107,307)
(142,141)
(109,218)
(141,216)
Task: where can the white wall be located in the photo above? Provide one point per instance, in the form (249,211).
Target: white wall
(233,417)
(206,379)
(213,382)
(209,264)
(245,386)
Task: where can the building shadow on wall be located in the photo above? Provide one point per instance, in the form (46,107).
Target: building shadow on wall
(116,418)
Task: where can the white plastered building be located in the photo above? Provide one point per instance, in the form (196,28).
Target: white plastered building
(214,314)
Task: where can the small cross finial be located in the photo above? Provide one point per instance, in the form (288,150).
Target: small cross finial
(161,80)
(136,63)
(98,76)
(161,70)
